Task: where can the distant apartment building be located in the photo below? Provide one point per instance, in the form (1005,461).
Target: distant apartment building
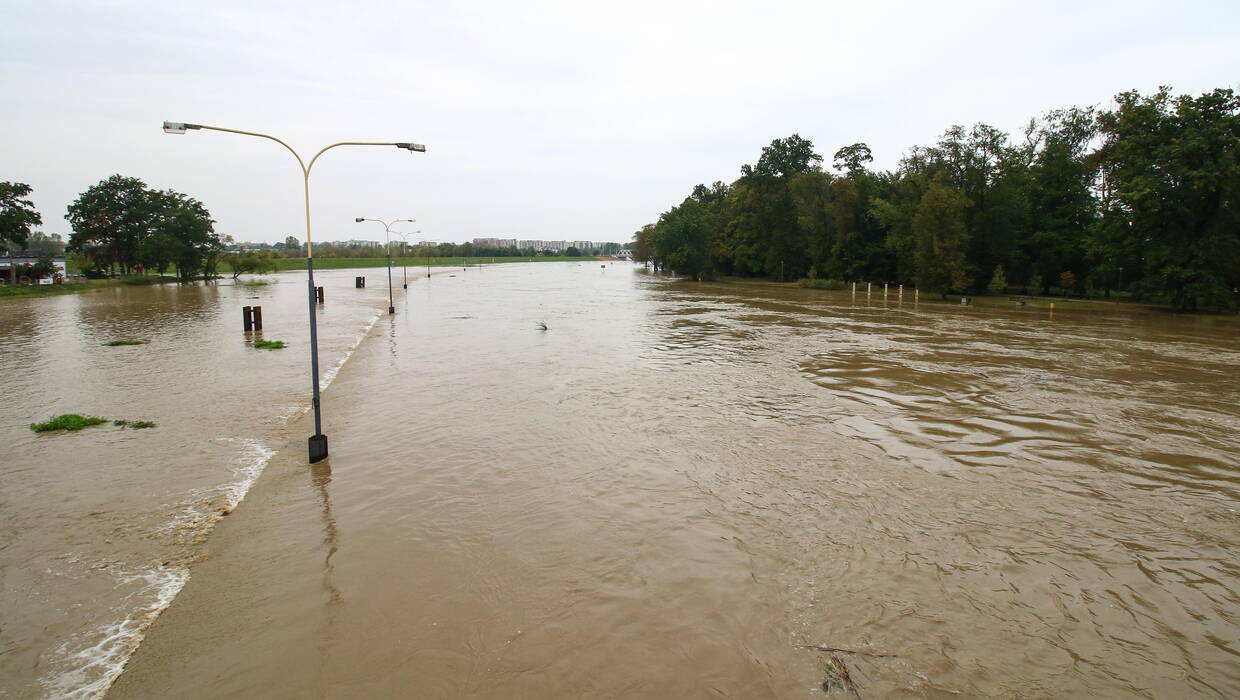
(536,244)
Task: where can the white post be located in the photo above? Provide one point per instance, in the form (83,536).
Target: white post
(901,297)
(884,292)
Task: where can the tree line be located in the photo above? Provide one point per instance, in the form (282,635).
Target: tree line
(1142,198)
(122,223)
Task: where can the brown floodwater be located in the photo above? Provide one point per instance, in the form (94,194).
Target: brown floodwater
(681,489)
(98,528)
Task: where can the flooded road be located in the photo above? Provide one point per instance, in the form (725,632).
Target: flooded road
(692,490)
(98,528)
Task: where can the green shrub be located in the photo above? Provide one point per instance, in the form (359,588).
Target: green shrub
(269,344)
(67,421)
(820,284)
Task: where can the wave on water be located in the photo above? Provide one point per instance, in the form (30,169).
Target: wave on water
(330,374)
(100,655)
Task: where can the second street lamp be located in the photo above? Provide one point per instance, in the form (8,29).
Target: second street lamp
(387,229)
(318,441)
(404,264)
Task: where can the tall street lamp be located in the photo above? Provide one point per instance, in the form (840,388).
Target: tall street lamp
(318,441)
(404,264)
(387,230)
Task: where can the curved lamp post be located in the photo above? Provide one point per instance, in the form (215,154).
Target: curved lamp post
(404,266)
(387,230)
(318,441)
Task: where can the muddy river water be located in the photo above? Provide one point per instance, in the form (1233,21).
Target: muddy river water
(676,490)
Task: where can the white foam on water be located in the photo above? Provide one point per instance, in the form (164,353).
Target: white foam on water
(330,374)
(101,655)
(254,458)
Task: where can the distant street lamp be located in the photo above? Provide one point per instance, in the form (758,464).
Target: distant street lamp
(387,229)
(318,441)
(404,264)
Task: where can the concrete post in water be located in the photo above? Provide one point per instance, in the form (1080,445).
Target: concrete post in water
(854,290)
(884,292)
(916,295)
(247,321)
(867,289)
(900,298)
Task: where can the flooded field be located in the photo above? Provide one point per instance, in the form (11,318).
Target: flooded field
(676,490)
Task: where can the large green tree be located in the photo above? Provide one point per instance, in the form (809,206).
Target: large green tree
(119,221)
(942,239)
(17,214)
(111,220)
(1171,167)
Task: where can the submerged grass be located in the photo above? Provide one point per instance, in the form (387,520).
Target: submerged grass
(256,283)
(115,343)
(135,424)
(67,421)
(270,344)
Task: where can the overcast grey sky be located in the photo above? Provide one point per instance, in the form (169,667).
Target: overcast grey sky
(553,120)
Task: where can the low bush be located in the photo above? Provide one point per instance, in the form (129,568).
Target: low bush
(820,284)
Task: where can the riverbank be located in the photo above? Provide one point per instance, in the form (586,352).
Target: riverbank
(1045,303)
(23,291)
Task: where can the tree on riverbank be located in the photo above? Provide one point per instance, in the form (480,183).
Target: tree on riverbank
(1144,199)
(121,222)
(17,215)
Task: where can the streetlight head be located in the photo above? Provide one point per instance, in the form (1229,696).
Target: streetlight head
(178,127)
(359,219)
(412,147)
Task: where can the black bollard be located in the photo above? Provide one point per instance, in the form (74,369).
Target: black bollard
(247,321)
(318,293)
(257,312)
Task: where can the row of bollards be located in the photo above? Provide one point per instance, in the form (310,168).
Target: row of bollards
(252,318)
(899,292)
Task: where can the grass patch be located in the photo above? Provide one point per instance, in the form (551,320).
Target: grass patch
(67,421)
(17,291)
(270,344)
(135,424)
(255,284)
(117,343)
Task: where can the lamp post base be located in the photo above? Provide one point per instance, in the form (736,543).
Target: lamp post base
(391,309)
(318,448)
